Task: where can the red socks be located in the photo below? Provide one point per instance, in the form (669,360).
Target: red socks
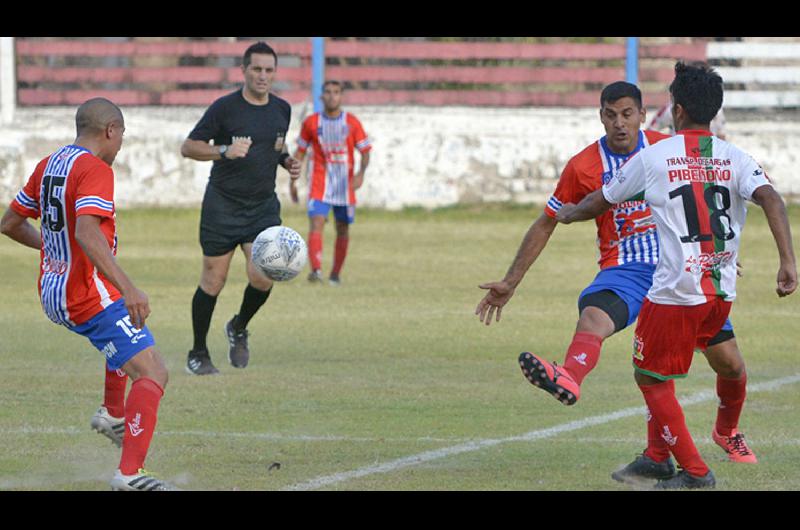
(671,426)
(657,448)
(731,394)
(339,254)
(582,355)
(315,250)
(114,395)
(141,414)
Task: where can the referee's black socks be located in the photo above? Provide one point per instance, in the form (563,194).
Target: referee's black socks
(202,310)
(251,302)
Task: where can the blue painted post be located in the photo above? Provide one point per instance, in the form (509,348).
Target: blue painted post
(317,70)
(632,60)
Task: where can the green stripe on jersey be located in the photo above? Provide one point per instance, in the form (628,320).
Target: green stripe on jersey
(706,144)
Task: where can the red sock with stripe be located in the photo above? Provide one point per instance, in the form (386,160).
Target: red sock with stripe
(114,393)
(732,393)
(315,250)
(339,253)
(141,415)
(582,355)
(657,448)
(671,425)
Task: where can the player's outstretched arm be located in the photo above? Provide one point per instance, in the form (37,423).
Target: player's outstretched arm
(501,292)
(775,211)
(94,244)
(20,230)
(590,207)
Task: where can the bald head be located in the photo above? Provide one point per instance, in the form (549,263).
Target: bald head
(95,115)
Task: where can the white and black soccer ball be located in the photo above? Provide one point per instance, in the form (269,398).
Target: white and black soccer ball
(280,253)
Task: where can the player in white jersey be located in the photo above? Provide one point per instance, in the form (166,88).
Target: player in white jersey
(697,186)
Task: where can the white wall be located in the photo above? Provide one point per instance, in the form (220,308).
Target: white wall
(422,156)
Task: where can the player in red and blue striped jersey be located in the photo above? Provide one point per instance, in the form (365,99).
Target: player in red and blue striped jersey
(333,136)
(629,251)
(82,287)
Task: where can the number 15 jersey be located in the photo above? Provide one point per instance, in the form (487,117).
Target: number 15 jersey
(697,187)
(69,183)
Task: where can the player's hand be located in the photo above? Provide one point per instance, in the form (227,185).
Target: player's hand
(239,148)
(739,269)
(293,192)
(565,212)
(138,306)
(787,280)
(292,165)
(499,294)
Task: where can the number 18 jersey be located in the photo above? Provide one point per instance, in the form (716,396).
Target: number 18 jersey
(697,187)
(69,183)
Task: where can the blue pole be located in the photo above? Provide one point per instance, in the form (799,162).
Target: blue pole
(317,70)
(632,60)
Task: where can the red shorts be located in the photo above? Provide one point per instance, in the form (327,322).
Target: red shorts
(666,336)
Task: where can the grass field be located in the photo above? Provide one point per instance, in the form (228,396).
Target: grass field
(388,382)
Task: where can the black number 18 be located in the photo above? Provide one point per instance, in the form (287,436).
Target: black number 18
(722,230)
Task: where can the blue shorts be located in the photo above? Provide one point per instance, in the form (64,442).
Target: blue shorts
(346,214)
(111,332)
(630,282)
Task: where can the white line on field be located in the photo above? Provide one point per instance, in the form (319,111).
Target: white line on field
(444,452)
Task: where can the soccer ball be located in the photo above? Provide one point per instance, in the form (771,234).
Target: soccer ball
(280,253)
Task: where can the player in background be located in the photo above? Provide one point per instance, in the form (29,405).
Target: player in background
(629,251)
(248,127)
(697,186)
(332,135)
(662,122)
(82,287)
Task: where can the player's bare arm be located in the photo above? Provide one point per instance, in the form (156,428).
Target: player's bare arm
(501,292)
(204,151)
(20,230)
(299,156)
(775,211)
(590,207)
(94,244)
(358,178)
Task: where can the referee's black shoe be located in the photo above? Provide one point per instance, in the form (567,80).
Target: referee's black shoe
(238,354)
(199,363)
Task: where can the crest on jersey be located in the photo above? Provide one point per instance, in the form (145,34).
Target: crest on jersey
(638,348)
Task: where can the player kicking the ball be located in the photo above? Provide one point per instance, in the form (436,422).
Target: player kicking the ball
(629,252)
(83,288)
(697,187)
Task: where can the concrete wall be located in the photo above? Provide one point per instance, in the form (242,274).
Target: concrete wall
(422,156)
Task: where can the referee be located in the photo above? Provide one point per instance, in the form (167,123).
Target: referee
(248,128)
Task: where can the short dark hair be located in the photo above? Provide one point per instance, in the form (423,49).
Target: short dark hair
(698,89)
(620,89)
(259,47)
(332,82)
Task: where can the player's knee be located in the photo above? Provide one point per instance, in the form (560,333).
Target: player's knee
(726,360)
(212,281)
(596,321)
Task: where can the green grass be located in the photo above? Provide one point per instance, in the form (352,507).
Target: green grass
(392,364)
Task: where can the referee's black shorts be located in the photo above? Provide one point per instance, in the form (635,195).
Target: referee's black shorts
(227,223)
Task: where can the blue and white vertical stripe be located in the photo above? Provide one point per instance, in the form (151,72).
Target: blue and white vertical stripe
(56,243)
(638,247)
(333,134)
